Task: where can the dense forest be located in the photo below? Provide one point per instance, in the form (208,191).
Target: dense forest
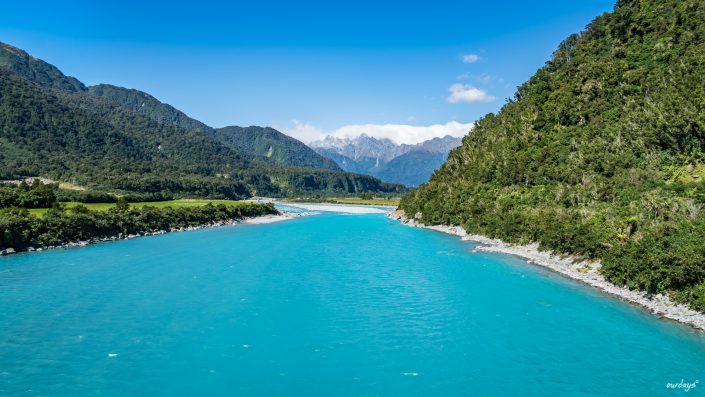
(146,105)
(600,154)
(270,145)
(103,138)
(20,230)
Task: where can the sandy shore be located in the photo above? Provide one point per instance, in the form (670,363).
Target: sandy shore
(340,208)
(260,220)
(586,272)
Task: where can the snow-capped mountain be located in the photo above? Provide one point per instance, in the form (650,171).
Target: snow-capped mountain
(381,157)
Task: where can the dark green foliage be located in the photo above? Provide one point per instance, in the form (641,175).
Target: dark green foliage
(146,105)
(104,140)
(86,196)
(36,195)
(256,143)
(42,73)
(92,196)
(20,230)
(601,153)
(270,145)
(70,136)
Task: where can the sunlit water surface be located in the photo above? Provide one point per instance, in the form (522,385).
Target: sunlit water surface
(325,305)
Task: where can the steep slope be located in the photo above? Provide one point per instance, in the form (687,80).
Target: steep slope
(146,105)
(44,134)
(251,142)
(601,153)
(68,133)
(22,64)
(270,145)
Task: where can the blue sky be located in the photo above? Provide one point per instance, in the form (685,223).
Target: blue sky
(308,68)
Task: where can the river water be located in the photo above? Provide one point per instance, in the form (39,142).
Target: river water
(324,305)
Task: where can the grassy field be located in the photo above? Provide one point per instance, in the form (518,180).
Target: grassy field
(159,204)
(394,201)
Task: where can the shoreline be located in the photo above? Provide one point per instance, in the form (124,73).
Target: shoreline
(255,220)
(567,266)
(339,208)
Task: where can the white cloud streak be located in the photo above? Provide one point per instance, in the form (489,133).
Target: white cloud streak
(304,132)
(467,93)
(470,58)
(398,133)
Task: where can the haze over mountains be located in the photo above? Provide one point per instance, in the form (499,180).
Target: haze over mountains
(410,165)
(108,137)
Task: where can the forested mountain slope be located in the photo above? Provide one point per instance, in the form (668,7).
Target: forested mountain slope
(52,126)
(147,105)
(601,153)
(268,144)
(100,145)
(24,65)
(251,142)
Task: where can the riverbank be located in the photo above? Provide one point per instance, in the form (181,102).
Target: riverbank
(386,202)
(585,272)
(340,208)
(261,219)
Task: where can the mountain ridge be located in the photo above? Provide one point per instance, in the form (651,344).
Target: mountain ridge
(54,126)
(21,63)
(410,165)
(268,144)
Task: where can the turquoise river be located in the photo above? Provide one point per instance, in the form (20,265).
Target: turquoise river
(324,305)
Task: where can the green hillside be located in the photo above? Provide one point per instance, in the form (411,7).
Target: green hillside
(24,65)
(104,139)
(147,105)
(270,145)
(45,134)
(255,143)
(600,154)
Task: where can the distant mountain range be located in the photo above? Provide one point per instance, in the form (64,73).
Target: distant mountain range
(410,165)
(113,138)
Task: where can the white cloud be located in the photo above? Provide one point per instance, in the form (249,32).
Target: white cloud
(467,93)
(304,132)
(470,58)
(399,133)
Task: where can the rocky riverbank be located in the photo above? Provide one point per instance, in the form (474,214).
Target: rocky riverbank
(586,272)
(247,220)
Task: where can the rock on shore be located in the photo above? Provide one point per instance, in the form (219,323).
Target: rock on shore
(120,236)
(586,272)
